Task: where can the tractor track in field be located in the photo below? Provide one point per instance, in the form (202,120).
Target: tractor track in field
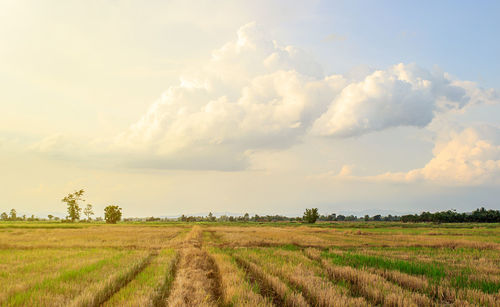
(271,286)
(163,292)
(265,289)
(361,282)
(118,283)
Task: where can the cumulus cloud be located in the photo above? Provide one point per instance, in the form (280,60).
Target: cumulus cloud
(468,157)
(403,95)
(256,94)
(253,94)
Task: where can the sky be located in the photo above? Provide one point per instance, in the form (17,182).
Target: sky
(267,107)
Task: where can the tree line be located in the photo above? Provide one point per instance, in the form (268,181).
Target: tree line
(112,214)
(452,216)
(312,216)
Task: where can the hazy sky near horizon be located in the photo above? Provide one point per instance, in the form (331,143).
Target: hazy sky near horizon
(268,107)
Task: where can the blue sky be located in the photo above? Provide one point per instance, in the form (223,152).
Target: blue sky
(171,107)
(451,34)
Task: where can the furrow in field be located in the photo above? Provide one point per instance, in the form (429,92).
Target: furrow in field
(271,286)
(99,293)
(426,278)
(197,282)
(472,269)
(236,291)
(69,284)
(16,286)
(303,274)
(373,287)
(162,292)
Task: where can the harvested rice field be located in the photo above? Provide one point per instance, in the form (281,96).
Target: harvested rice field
(249,264)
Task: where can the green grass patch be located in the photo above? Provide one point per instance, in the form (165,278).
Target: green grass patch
(54,284)
(463,281)
(434,271)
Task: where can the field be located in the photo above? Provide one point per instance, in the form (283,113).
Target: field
(249,264)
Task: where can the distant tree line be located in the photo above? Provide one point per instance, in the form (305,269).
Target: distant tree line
(12,216)
(112,214)
(353,218)
(311,216)
(452,216)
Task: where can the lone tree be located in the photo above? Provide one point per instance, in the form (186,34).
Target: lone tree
(50,216)
(311,215)
(13,214)
(74,208)
(112,214)
(88,212)
(211,217)
(4,216)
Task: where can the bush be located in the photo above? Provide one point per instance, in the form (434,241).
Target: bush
(112,214)
(311,215)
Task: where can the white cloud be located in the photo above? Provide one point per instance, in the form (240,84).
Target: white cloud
(469,157)
(252,94)
(255,94)
(403,95)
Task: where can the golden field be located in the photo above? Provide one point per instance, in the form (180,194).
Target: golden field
(249,264)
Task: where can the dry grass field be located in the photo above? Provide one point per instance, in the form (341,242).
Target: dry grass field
(249,264)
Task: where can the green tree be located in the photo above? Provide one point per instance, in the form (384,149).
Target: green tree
(72,201)
(311,215)
(88,212)
(211,217)
(112,214)
(4,216)
(50,216)
(13,214)
(246,217)
(367,218)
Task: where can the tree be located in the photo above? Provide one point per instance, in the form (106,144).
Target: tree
(311,215)
(112,214)
(74,208)
(13,214)
(211,217)
(50,216)
(4,216)
(246,217)
(88,212)
(367,218)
